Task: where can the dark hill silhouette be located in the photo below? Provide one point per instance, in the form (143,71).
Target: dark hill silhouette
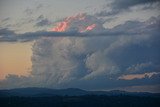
(39,92)
(73,97)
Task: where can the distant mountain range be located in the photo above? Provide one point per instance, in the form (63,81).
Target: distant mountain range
(44,92)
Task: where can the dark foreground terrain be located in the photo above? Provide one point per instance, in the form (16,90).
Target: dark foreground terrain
(39,97)
(80,101)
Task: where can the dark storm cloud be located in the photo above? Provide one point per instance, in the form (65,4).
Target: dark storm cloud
(14,81)
(7,35)
(126,4)
(118,6)
(30,36)
(105,83)
(6,32)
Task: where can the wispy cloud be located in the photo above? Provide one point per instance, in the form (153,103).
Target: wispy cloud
(118,6)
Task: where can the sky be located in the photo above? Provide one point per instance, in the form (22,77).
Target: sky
(87,44)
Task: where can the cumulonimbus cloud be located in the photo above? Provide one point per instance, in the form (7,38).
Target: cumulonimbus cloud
(90,63)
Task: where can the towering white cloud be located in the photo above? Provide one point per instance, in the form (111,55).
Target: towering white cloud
(65,59)
(93,62)
(58,61)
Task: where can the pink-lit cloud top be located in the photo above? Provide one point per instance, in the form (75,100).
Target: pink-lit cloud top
(80,22)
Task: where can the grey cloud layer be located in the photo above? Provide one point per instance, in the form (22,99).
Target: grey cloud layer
(125,4)
(118,6)
(133,28)
(9,36)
